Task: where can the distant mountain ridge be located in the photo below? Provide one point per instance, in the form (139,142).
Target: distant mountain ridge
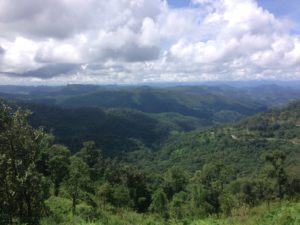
(129,119)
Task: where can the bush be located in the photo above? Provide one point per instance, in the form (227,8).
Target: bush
(58,208)
(86,212)
(286,215)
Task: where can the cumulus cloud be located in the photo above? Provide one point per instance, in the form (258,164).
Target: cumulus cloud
(248,42)
(124,41)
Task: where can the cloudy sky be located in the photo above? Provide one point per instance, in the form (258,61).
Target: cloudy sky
(142,41)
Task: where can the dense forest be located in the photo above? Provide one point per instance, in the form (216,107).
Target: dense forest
(148,156)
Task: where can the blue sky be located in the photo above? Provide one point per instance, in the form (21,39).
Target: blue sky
(179,3)
(281,8)
(287,9)
(134,41)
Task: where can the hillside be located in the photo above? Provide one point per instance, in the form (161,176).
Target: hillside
(268,94)
(115,131)
(209,105)
(166,175)
(242,145)
(212,104)
(205,106)
(151,122)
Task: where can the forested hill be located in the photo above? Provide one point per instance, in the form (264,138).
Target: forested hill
(217,176)
(209,104)
(115,131)
(141,120)
(257,94)
(151,122)
(243,146)
(123,119)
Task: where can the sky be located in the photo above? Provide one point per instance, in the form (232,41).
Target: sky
(54,42)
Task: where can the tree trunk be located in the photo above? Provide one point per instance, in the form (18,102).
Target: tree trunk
(29,215)
(56,189)
(280,194)
(73,205)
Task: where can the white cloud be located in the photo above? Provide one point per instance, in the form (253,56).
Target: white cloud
(19,55)
(92,41)
(247,42)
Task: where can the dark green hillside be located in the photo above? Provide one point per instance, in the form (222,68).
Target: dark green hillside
(271,95)
(241,146)
(274,95)
(212,108)
(114,130)
(211,105)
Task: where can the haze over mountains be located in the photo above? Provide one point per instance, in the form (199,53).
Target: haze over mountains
(126,118)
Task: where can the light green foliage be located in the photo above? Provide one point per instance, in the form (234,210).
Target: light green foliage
(120,195)
(78,181)
(58,208)
(104,194)
(179,207)
(286,215)
(159,203)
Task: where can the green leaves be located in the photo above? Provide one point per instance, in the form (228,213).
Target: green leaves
(24,188)
(78,181)
(58,165)
(159,203)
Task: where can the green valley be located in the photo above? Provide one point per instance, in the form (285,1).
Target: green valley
(148,156)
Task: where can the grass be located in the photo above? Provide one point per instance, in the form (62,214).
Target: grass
(286,214)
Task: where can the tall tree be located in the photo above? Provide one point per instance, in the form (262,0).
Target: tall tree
(208,186)
(23,187)
(175,179)
(159,203)
(58,165)
(277,172)
(93,158)
(78,181)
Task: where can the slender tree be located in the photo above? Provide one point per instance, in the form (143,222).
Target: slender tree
(58,165)
(208,186)
(277,160)
(159,203)
(78,181)
(93,158)
(175,179)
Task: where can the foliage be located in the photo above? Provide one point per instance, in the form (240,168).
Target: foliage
(58,165)
(78,181)
(43,183)
(159,203)
(119,119)
(23,187)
